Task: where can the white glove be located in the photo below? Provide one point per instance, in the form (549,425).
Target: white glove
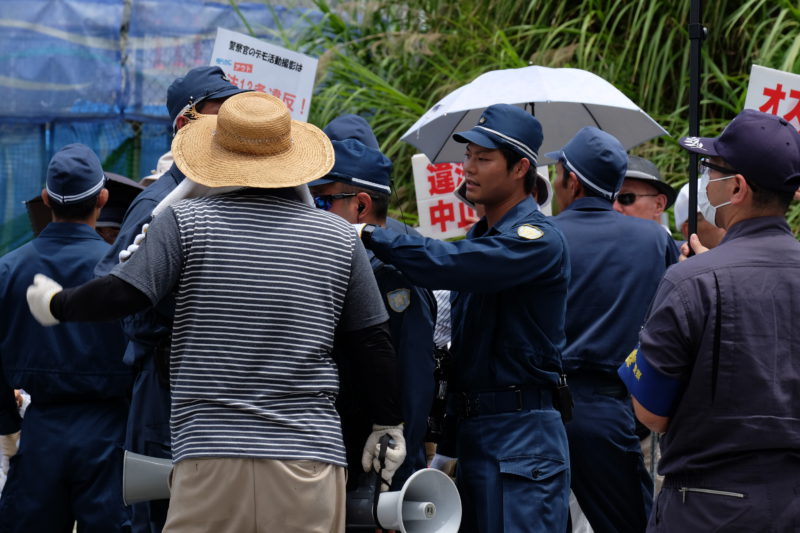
(359,228)
(8,444)
(439,462)
(126,254)
(39,295)
(395,455)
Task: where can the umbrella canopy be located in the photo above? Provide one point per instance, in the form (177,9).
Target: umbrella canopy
(121,192)
(563,99)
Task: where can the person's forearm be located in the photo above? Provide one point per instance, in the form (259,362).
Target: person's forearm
(106,298)
(374,358)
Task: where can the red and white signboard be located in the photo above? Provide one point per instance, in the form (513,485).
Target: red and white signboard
(441,214)
(775,92)
(267,68)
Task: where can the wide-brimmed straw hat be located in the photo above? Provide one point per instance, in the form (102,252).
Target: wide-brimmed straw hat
(252,142)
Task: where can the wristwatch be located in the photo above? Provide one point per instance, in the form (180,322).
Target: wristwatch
(366,234)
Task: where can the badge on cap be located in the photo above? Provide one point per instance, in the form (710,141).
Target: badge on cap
(399,299)
(526,231)
(482,120)
(693,142)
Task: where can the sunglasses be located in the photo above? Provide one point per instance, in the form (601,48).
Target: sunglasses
(629,198)
(703,162)
(326,200)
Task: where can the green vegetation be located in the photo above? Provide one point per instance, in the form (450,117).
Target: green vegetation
(391,61)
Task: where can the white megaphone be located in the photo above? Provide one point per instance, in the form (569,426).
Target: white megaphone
(427,503)
(144,478)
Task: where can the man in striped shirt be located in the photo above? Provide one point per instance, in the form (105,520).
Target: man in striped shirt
(263,282)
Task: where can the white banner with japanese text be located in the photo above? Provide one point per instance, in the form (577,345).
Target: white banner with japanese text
(259,66)
(441,214)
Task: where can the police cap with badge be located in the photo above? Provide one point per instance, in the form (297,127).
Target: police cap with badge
(511,127)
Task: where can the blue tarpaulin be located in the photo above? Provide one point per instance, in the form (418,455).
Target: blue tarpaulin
(97,72)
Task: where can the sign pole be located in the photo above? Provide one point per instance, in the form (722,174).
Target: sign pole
(697,32)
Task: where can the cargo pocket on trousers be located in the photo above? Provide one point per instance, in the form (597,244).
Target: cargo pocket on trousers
(532,486)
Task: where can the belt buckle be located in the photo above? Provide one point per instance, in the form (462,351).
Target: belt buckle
(518,393)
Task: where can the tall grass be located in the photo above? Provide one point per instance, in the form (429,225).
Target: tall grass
(391,61)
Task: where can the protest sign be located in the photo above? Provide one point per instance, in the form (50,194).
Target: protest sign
(775,92)
(267,68)
(441,214)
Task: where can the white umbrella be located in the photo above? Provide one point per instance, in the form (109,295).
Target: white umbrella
(563,99)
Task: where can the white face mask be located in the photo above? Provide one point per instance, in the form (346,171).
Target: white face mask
(709,211)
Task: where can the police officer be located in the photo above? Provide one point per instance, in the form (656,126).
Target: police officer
(357,189)
(511,275)
(716,363)
(202,90)
(617,262)
(69,466)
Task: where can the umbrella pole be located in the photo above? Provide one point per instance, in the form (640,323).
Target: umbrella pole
(697,32)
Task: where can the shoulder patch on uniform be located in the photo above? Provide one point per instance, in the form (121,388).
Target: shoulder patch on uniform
(399,299)
(526,231)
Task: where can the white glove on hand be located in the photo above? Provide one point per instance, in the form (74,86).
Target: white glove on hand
(39,295)
(126,254)
(439,462)
(394,455)
(8,444)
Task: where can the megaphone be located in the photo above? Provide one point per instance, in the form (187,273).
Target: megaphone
(427,503)
(144,478)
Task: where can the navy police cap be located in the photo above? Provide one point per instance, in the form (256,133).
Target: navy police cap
(351,127)
(74,175)
(506,125)
(360,166)
(199,84)
(597,158)
(764,148)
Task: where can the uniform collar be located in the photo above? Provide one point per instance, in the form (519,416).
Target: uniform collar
(509,220)
(591,203)
(175,174)
(756,225)
(72,230)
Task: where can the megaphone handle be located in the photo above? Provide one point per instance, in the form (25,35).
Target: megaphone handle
(384,441)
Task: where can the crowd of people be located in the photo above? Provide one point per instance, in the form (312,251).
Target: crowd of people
(261,321)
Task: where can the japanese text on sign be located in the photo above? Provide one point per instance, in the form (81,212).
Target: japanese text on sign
(441,214)
(775,92)
(264,67)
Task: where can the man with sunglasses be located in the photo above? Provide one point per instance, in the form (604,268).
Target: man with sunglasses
(716,366)
(357,189)
(617,262)
(643,193)
(200,92)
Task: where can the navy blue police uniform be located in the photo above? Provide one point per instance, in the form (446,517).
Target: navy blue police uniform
(412,312)
(617,262)
(69,465)
(148,430)
(150,331)
(508,320)
(510,282)
(717,357)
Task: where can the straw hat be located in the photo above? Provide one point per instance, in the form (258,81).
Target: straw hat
(252,142)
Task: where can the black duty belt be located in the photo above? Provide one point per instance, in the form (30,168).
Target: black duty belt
(468,404)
